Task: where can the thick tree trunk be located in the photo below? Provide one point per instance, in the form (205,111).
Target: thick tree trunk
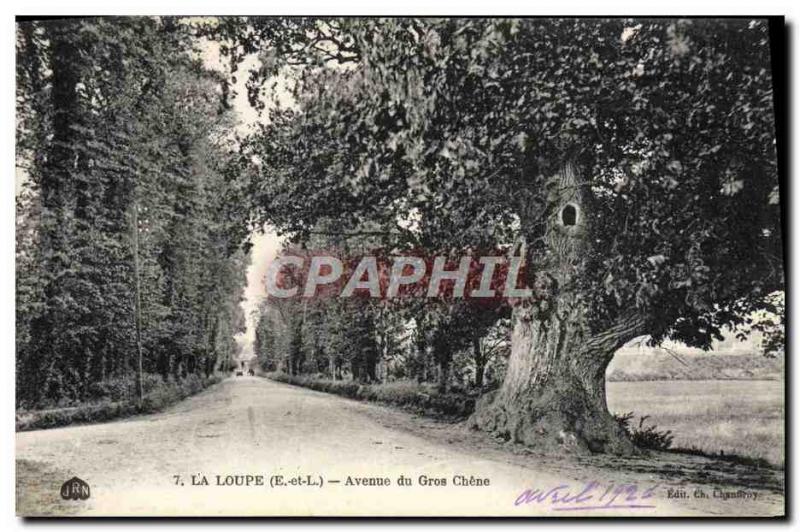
(444,373)
(480,362)
(370,365)
(553,396)
(355,370)
(419,366)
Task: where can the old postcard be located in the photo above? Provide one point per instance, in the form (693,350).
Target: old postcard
(351,267)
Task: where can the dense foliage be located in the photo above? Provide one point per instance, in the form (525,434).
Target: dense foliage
(372,342)
(449,136)
(460,122)
(130,191)
(454,135)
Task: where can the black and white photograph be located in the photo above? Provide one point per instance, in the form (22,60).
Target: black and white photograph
(400,266)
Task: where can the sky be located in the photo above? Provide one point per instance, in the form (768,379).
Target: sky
(265,247)
(266,243)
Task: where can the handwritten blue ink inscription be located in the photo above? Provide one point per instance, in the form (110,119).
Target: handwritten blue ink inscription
(590,496)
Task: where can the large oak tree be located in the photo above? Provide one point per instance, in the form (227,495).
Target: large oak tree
(632,164)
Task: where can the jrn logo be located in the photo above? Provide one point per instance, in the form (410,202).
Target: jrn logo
(75,489)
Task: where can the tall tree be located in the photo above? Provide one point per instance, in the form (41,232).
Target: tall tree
(630,163)
(128,163)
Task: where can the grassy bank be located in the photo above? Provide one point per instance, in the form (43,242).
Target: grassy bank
(111,400)
(420,398)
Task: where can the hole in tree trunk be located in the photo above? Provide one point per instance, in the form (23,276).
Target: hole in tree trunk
(569,215)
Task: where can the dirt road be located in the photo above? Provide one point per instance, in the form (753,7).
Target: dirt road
(279,435)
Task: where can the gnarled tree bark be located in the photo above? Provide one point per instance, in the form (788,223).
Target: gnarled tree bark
(553,396)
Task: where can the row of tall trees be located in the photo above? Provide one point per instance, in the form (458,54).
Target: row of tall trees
(129,219)
(374,341)
(444,341)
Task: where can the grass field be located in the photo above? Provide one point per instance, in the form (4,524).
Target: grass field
(659,365)
(735,417)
